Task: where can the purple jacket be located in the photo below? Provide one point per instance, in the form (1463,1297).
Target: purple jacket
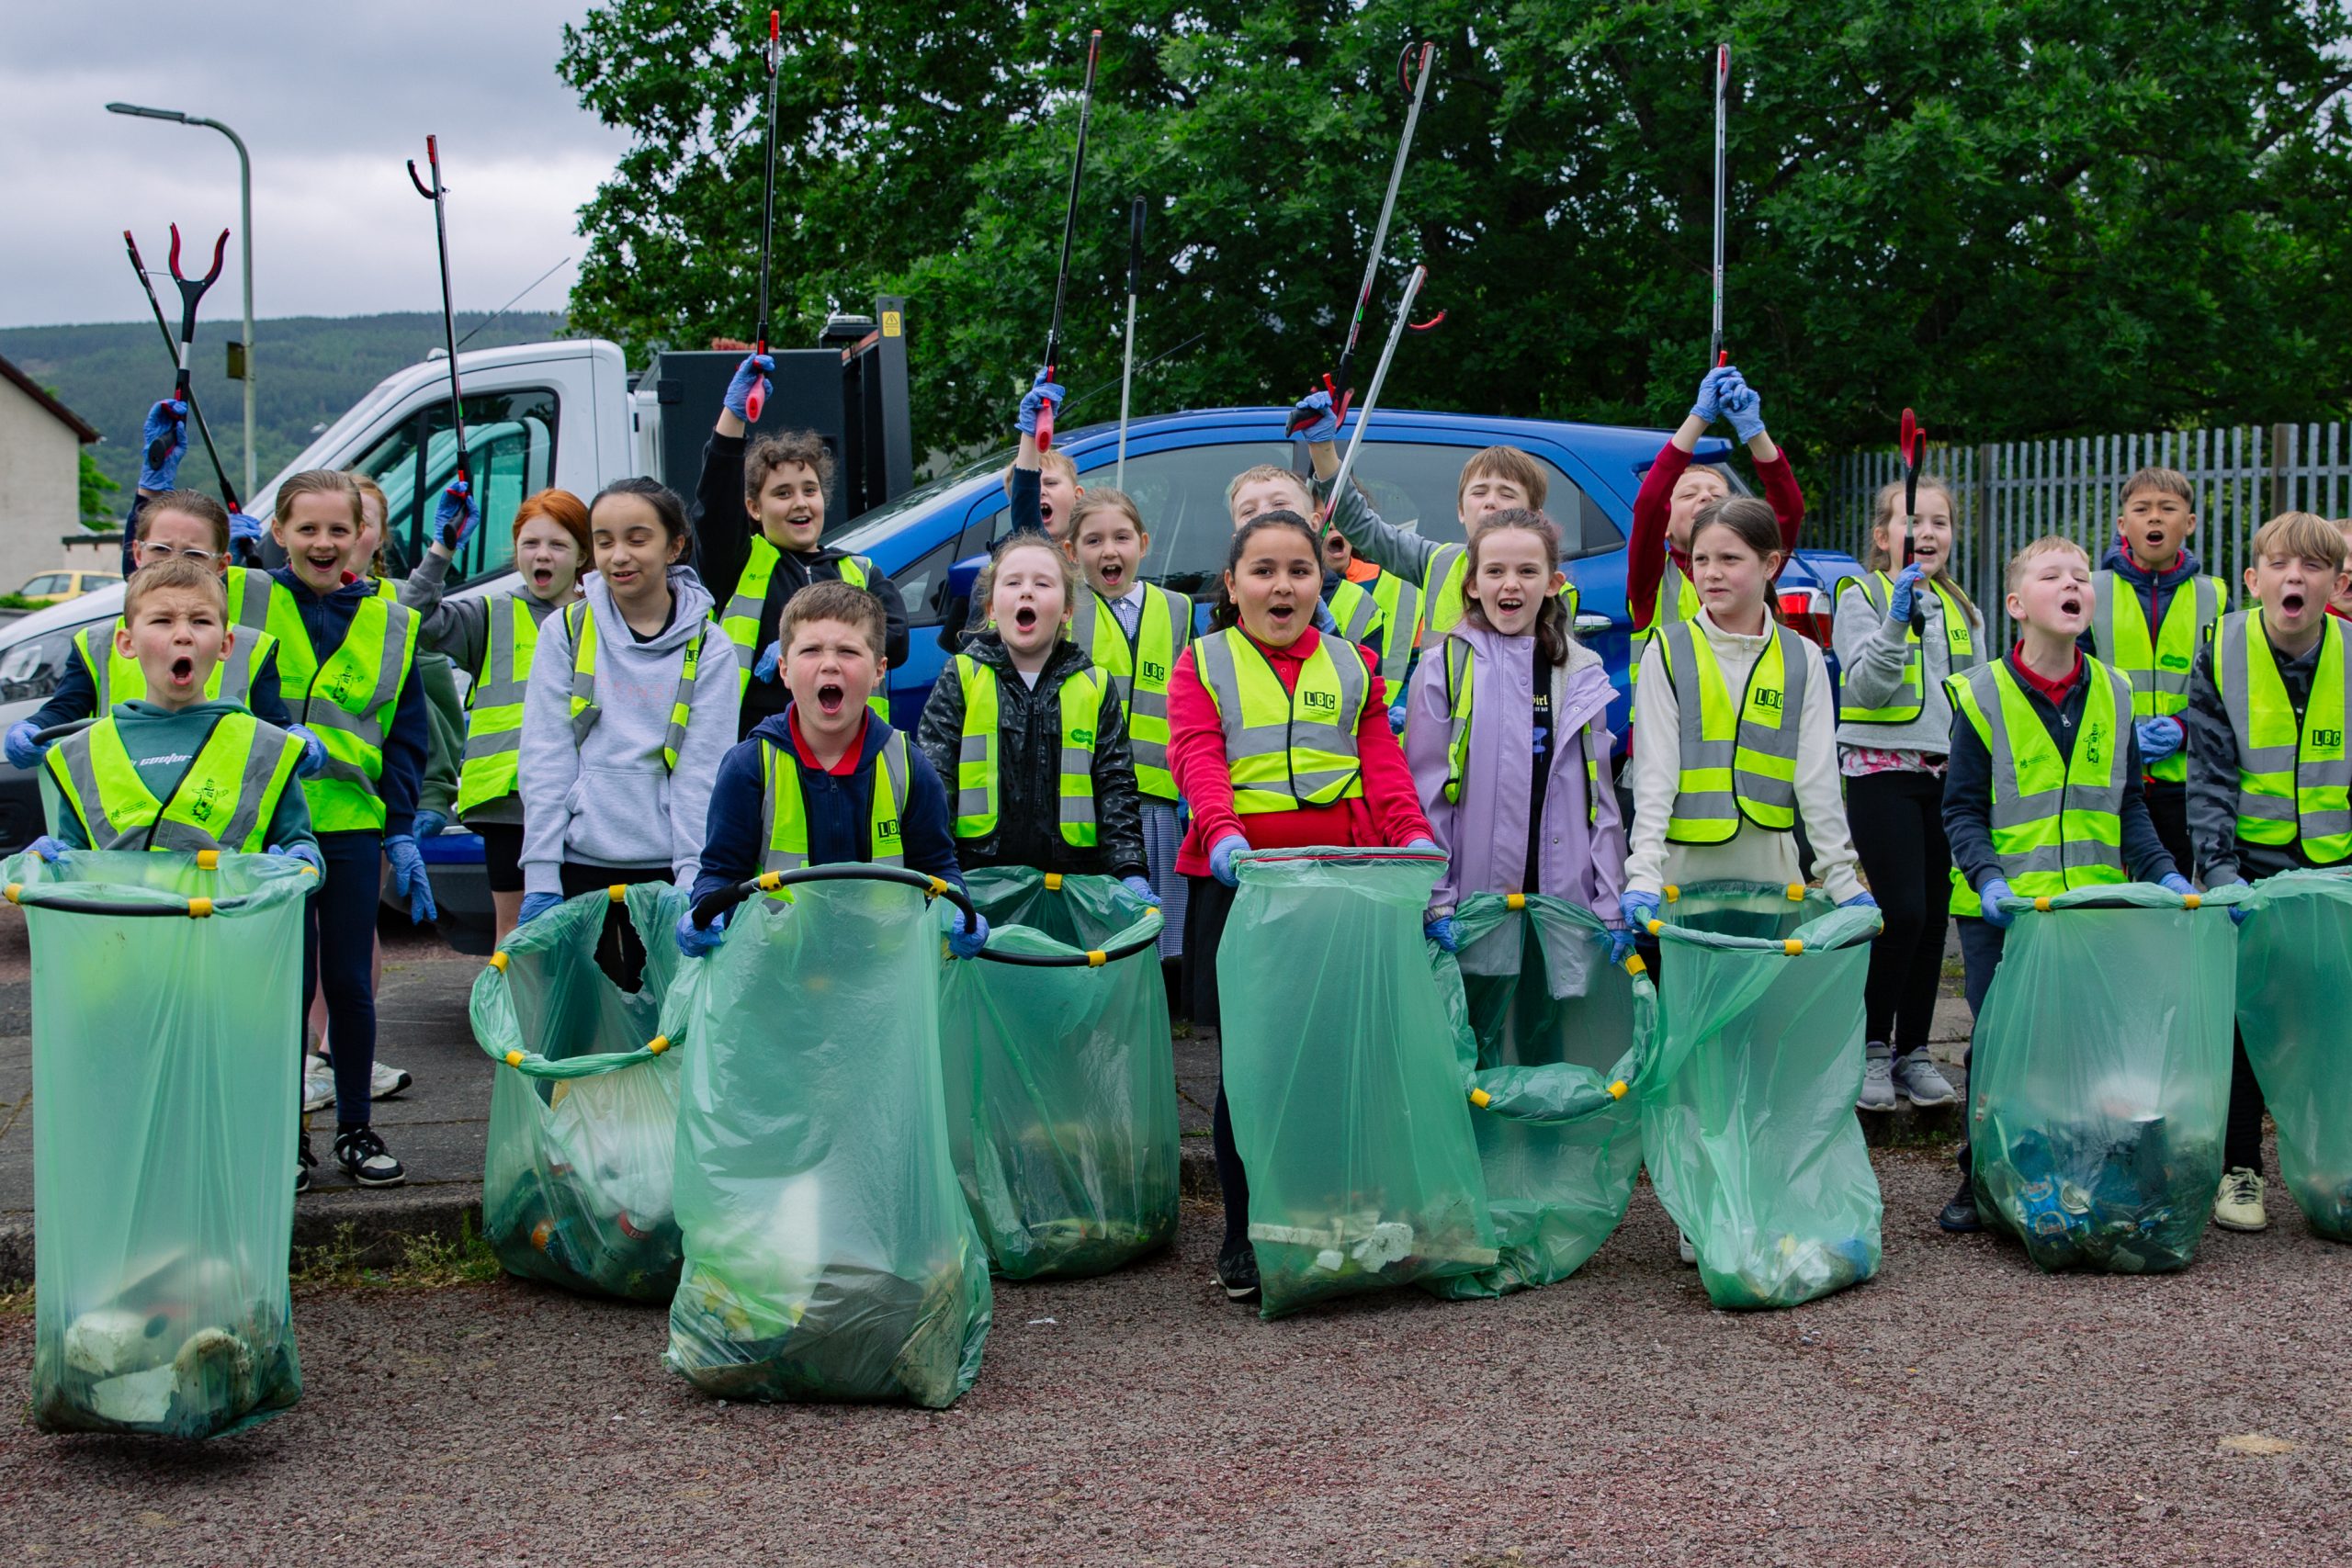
(1485,833)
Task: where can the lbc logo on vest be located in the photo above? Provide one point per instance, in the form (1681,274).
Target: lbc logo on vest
(1154,671)
(1766,699)
(886,831)
(2327,739)
(1321,701)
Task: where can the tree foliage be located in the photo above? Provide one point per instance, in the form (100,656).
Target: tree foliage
(2024,219)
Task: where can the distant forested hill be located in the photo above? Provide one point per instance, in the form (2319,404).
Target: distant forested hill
(313,368)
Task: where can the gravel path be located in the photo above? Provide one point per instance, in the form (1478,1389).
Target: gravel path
(1963,1409)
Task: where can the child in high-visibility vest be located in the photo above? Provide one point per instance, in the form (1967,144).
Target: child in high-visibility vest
(2040,706)
(1343,781)
(1041,495)
(628,708)
(493,637)
(2269,705)
(2152,608)
(760,510)
(1134,631)
(346,658)
(1034,734)
(1269,487)
(1901,629)
(1510,742)
(174,768)
(827,781)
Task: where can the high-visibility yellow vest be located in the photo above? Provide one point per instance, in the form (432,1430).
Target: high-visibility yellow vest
(1678,600)
(348,701)
(1140,666)
(784,825)
(2158,670)
(1286,749)
(740,621)
(2294,776)
(119,679)
(225,800)
(1382,614)
(977,770)
(494,702)
(1739,758)
(580,622)
(2057,822)
(1461,669)
(1909,700)
(1441,581)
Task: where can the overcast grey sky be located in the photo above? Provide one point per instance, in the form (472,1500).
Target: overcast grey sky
(331,100)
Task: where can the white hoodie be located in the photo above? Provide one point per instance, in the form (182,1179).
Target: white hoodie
(1752,854)
(611,800)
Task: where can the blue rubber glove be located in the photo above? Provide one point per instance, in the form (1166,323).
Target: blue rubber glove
(1324,622)
(1221,855)
(764,666)
(1640,909)
(22,748)
(303,852)
(2178,884)
(1990,895)
(1324,425)
(700,941)
(314,751)
(1445,932)
(1745,410)
(1906,591)
(1858,901)
(962,943)
(431,824)
(535,905)
(1141,889)
(1041,392)
(1396,717)
(243,530)
(168,417)
(1708,404)
(753,372)
(1621,943)
(1425,842)
(52,850)
(408,878)
(456,518)
(2159,739)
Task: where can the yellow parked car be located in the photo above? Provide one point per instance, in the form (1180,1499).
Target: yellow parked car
(71,583)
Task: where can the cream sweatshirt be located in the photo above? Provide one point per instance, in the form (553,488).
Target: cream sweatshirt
(1752,854)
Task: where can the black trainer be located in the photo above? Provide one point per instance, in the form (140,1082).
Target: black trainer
(303,1160)
(1960,1215)
(1236,1270)
(361,1152)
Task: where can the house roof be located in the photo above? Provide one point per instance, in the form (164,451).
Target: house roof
(33,389)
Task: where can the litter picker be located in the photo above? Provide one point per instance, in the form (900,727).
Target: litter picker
(1069,232)
(1913,443)
(759,395)
(1342,386)
(191,290)
(1717,353)
(433,193)
(1405,323)
(1127,373)
(228,493)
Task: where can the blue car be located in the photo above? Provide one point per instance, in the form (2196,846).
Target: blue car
(1178,465)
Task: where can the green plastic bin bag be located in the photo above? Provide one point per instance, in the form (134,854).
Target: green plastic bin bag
(829,1252)
(1561,1035)
(166,1105)
(2099,1077)
(1747,1114)
(584,1111)
(1061,1076)
(2294,976)
(1344,1074)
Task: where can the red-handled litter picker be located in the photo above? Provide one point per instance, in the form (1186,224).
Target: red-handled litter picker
(1404,323)
(1341,385)
(759,395)
(1069,232)
(1717,353)
(1913,443)
(204,429)
(1127,374)
(433,193)
(191,290)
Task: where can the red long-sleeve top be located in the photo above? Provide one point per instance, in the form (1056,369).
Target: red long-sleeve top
(1646,553)
(1387,815)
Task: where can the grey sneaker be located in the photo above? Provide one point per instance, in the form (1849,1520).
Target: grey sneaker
(1683,1250)
(1919,1081)
(1878,1077)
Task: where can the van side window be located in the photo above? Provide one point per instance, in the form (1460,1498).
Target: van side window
(510,438)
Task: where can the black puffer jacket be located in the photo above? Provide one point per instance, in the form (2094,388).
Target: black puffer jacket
(1029,732)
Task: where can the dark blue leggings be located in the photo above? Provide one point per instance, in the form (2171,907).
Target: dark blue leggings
(338,948)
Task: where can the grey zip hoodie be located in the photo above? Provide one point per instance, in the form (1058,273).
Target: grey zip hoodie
(610,800)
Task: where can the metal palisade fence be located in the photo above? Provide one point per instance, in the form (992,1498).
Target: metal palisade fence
(2009,492)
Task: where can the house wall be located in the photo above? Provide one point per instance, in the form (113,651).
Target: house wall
(39,488)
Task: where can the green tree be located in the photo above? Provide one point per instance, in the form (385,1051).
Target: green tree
(98,512)
(2024,220)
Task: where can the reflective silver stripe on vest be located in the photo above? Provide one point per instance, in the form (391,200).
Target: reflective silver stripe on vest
(971,748)
(364,726)
(1140,704)
(2013,809)
(1358,625)
(1078,761)
(75,750)
(1212,659)
(893,763)
(497,683)
(260,765)
(2236,672)
(1698,751)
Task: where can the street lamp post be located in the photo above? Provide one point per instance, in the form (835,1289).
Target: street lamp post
(245,237)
